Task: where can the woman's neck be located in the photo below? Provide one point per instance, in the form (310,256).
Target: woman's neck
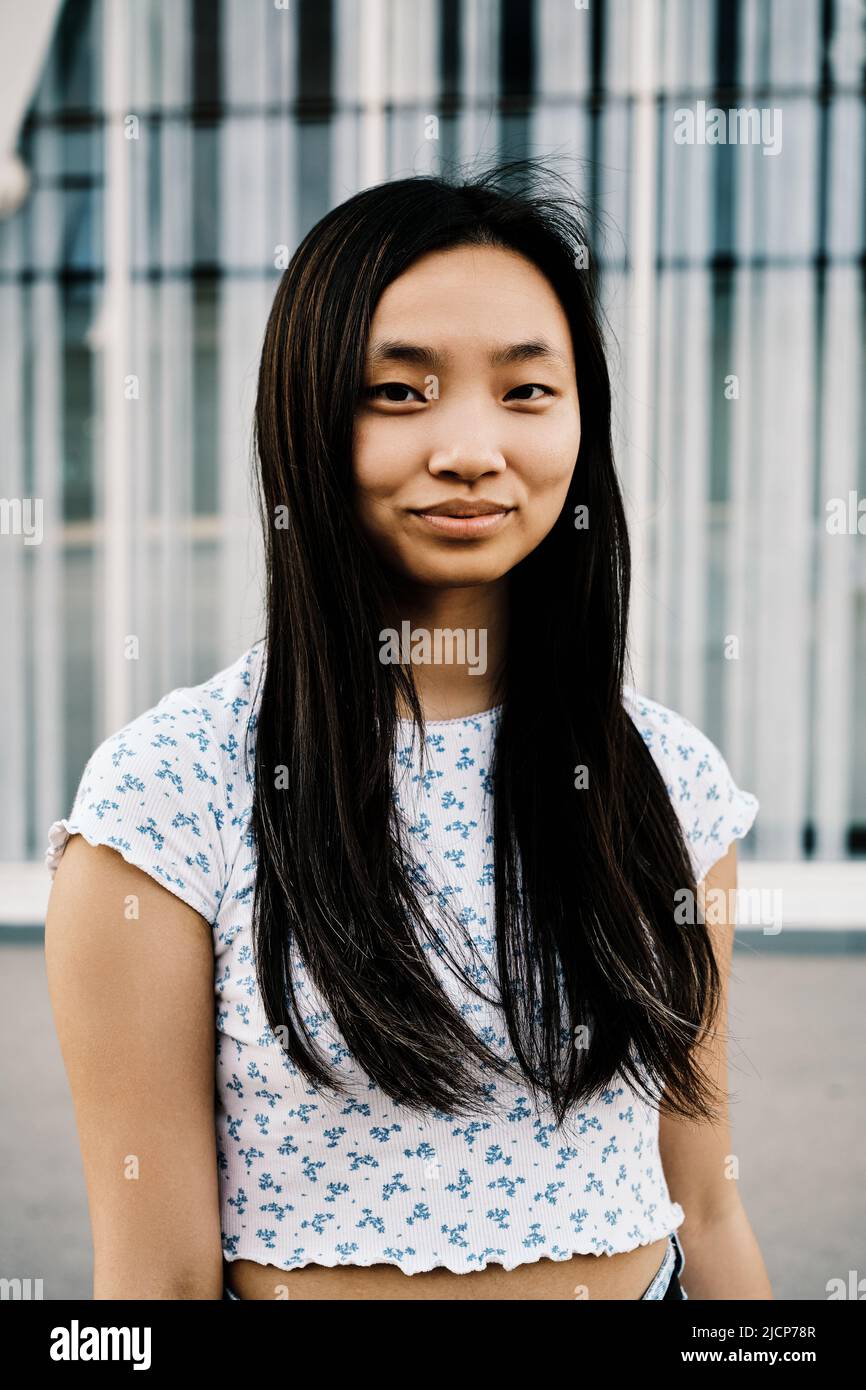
(455,642)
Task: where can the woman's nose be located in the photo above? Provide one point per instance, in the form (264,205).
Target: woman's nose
(467,460)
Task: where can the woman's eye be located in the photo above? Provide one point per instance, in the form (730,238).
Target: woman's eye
(531,386)
(372,393)
(398,393)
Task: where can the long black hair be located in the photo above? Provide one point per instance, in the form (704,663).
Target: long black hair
(595,977)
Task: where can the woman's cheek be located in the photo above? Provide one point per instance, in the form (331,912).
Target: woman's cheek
(382,461)
(548,471)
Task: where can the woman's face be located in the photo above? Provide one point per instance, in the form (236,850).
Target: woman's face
(470,398)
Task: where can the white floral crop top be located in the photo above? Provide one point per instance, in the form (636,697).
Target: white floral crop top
(304,1180)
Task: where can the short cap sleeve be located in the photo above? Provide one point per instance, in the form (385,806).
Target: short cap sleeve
(712,809)
(154,793)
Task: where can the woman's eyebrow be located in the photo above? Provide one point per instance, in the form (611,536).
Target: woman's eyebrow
(534,349)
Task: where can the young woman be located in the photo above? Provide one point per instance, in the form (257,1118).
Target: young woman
(407,876)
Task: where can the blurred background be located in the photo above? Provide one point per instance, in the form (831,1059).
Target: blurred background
(159,162)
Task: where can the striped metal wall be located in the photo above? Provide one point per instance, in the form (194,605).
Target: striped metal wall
(179,149)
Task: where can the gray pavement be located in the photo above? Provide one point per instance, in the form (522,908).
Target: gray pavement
(798,1057)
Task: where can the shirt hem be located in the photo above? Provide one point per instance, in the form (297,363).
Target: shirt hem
(62,830)
(557,1254)
(705,857)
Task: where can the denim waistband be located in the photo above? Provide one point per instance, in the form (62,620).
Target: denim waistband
(671,1266)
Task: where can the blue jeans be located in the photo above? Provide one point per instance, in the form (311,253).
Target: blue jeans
(665,1283)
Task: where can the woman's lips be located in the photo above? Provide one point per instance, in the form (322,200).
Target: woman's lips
(464,527)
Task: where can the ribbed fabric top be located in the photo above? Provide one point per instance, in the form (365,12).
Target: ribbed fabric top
(310,1179)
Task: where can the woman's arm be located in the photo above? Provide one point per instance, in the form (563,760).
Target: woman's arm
(723,1258)
(130,976)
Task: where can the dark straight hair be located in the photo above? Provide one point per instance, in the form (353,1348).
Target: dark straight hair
(596,979)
